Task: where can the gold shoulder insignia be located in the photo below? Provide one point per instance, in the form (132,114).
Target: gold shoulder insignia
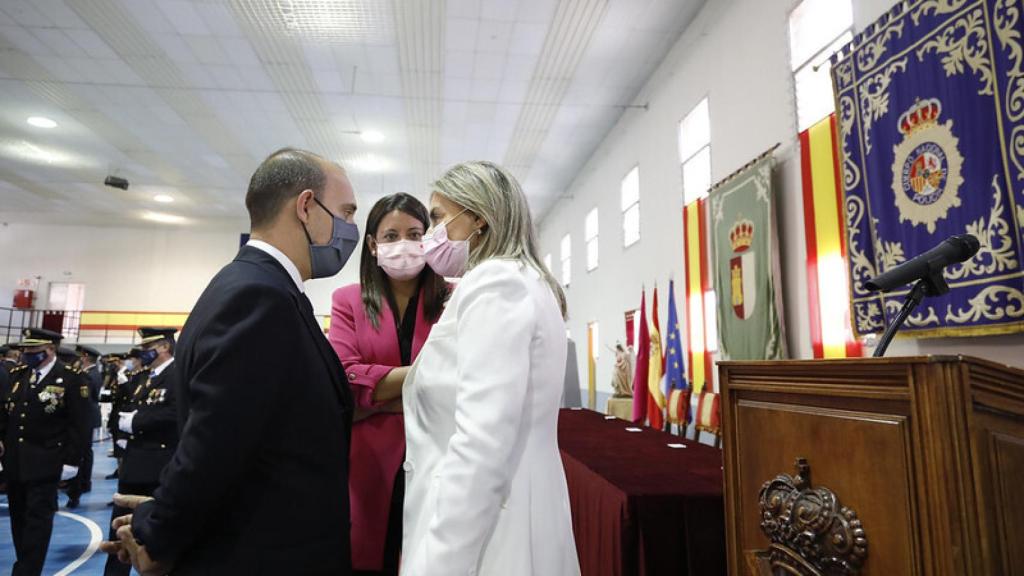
(19,368)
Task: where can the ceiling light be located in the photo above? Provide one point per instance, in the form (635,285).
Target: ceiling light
(163,217)
(370,163)
(29,152)
(336,21)
(371,136)
(163,198)
(41,122)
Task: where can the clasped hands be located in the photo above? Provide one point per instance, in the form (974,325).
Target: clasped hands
(126,548)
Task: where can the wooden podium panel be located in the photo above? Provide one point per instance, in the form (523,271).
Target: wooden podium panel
(913,466)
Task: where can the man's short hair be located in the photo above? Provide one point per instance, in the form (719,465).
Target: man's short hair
(281,177)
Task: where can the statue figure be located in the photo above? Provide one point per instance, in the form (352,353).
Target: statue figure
(622,379)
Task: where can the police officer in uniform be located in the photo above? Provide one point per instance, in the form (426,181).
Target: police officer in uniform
(121,396)
(87,357)
(8,360)
(42,424)
(150,421)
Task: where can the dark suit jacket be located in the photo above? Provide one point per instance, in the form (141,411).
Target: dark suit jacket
(95,381)
(259,481)
(154,434)
(41,435)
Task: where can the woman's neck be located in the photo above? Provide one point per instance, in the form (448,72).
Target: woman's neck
(403,291)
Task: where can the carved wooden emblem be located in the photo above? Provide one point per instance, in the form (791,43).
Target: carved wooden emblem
(811,533)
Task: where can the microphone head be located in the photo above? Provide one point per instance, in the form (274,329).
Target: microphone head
(968,245)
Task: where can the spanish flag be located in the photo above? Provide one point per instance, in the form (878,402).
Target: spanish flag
(827,273)
(655,399)
(695,241)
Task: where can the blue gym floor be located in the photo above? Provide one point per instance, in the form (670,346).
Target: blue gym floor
(76,533)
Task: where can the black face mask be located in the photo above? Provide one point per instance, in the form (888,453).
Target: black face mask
(326,260)
(33,359)
(148,356)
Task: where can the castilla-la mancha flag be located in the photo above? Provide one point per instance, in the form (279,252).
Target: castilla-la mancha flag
(745,264)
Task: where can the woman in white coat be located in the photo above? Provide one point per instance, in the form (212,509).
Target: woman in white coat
(486,492)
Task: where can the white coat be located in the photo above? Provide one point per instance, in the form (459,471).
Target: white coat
(485,486)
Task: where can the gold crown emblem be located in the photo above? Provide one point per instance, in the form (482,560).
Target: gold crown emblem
(811,532)
(742,235)
(923,114)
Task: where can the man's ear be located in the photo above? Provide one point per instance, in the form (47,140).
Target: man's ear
(302,202)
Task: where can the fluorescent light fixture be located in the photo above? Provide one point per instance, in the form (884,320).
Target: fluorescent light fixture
(354,22)
(29,152)
(163,217)
(163,198)
(370,163)
(371,136)
(41,122)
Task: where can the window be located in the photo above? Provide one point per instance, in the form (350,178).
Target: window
(566,260)
(817,29)
(695,152)
(547,261)
(590,237)
(630,190)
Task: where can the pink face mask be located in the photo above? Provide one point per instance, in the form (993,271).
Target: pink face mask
(446,257)
(402,260)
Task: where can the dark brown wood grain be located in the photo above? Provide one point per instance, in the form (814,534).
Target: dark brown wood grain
(928,451)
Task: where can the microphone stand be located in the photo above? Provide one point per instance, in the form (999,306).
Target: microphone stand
(932,285)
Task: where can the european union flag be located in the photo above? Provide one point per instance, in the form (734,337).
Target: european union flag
(675,367)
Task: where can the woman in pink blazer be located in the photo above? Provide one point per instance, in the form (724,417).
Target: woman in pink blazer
(377,328)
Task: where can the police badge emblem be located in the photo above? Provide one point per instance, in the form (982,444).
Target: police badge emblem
(926,169)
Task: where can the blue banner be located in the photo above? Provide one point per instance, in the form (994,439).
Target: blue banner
(930,102)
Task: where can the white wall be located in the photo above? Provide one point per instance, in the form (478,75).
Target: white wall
(162,269)
(736,53)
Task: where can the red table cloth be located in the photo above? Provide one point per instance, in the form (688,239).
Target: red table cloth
(640,507)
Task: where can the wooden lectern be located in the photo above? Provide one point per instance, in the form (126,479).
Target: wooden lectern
(877,467)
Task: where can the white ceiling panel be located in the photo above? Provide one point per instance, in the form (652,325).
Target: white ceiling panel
(494,36)
(185,97)
(463,9)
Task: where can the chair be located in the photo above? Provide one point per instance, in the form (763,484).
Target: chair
(708,417)
(678,408)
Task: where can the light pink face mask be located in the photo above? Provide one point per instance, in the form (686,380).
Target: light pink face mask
(446,257)
(402,260)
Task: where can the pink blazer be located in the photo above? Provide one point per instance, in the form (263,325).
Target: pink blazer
(378,442)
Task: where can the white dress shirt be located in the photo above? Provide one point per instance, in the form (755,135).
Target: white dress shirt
(283,260)
(159,369)
(42,371)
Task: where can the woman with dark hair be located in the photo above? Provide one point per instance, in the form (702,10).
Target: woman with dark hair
(377,328)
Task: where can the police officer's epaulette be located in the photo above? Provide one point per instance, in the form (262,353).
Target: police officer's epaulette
(18,368)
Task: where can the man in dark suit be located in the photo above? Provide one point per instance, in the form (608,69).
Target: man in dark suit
(259,481)
(8,360)
(87,356)
(149,419)
(42,425)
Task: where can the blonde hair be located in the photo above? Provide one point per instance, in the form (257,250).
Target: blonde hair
(494,195)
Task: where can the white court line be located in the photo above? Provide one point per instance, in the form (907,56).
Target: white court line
(95,537)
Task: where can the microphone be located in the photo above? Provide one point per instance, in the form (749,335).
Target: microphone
(952,250)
